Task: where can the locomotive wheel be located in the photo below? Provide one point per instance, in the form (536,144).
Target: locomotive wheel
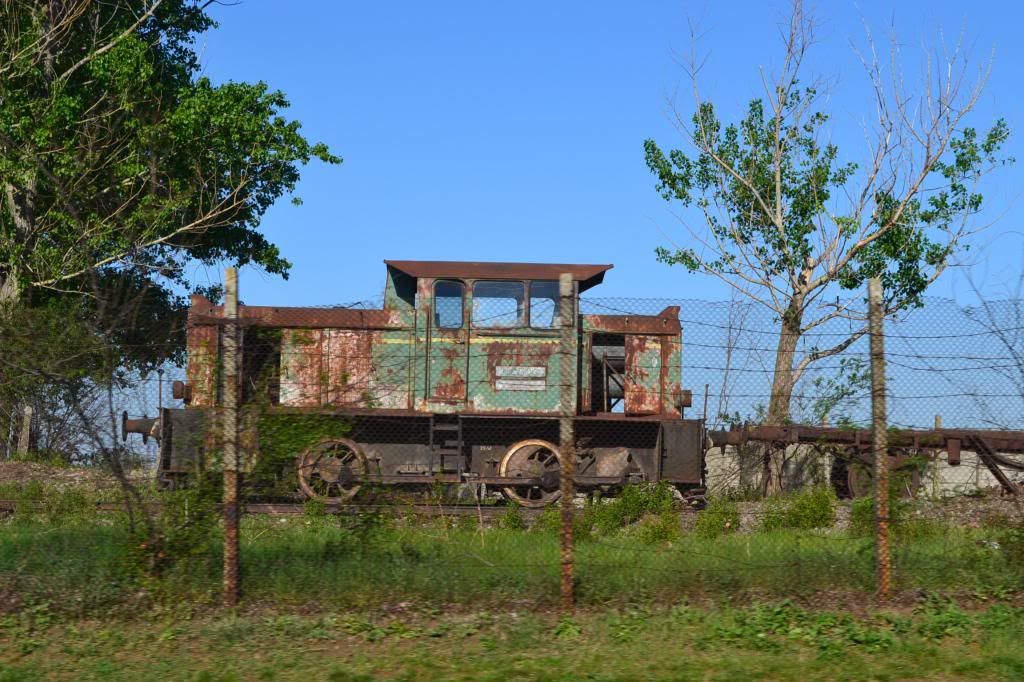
(531,458)
(326,469)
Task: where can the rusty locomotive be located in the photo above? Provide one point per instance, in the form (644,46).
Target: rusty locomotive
(457,378)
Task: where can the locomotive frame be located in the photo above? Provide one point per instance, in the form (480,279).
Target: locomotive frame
(456,379)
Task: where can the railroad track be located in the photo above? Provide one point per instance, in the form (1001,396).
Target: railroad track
(298,509)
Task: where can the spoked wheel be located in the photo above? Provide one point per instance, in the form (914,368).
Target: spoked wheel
(532,459)
(330,469)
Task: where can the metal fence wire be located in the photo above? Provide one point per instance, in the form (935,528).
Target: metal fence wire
(503,438)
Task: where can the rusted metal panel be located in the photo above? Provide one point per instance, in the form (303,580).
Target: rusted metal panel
(671,376)
(447,365)
(643,375)
(302,367)
(203,362)
(204,312)
(515,374)
(999,441)
(953,452)
(348,365)
(586,275)
(392,371)
(665,322)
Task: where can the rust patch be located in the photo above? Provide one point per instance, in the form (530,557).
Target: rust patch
(203,311)
(665,322)
(643,396)
(671,375)
(448,365)
(203,358)
(302,367)
(348,360)
(517,354)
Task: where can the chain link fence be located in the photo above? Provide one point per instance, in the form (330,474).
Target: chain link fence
(412,450)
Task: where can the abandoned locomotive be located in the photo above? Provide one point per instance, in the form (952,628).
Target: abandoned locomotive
(458,378)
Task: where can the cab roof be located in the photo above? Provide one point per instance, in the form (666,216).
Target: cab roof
(587,275)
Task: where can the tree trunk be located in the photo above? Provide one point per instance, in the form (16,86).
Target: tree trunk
(782,393)
(19,419)
(25,440)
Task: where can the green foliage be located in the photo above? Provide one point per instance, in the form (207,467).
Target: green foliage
(182,530)
(633,503)
(941,618)
(764,641)
(1011,544)
(120,160)
(512,518)
(829,397)
(659,529)
(314,508)
(776,627)
(650,507)
(282,437)
(567,628)
(862,511)
(763,148)
(549,521)
(801,510)
(720,517)
(791,224)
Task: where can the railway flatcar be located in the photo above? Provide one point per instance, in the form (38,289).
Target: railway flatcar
(457,378)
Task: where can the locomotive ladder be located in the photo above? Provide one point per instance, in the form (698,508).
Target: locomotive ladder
(446,443)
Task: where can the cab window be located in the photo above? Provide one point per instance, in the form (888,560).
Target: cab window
(543,305)
(448,304)
(499,304)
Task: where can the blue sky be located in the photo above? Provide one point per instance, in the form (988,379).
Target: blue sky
(513,131)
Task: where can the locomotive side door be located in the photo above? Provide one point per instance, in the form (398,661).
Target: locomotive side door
(447,346)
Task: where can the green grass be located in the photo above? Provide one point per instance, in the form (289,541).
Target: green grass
(85,564)
(935,640)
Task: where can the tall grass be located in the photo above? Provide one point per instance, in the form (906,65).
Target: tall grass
(84,564)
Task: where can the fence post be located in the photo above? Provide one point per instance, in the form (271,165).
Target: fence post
(883,560)
(230,439)
(567,402)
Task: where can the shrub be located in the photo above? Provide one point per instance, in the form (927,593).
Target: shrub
(183,528)
(802,510)
(513,518)
(550,521)
(659,529)
(314,507)
(721,516)
(632,503)
(1011,544)
(862,512)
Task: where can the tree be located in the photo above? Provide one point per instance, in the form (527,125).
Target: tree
(787,223)
(120,166)
(115,155)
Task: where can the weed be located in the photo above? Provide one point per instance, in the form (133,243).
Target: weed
(801,510)
(720,517)
(940,618)
(659,529)
(182,530)
(314,508)
(862,513)
(567,628)
(633,503)
(512,518)
(550,522)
